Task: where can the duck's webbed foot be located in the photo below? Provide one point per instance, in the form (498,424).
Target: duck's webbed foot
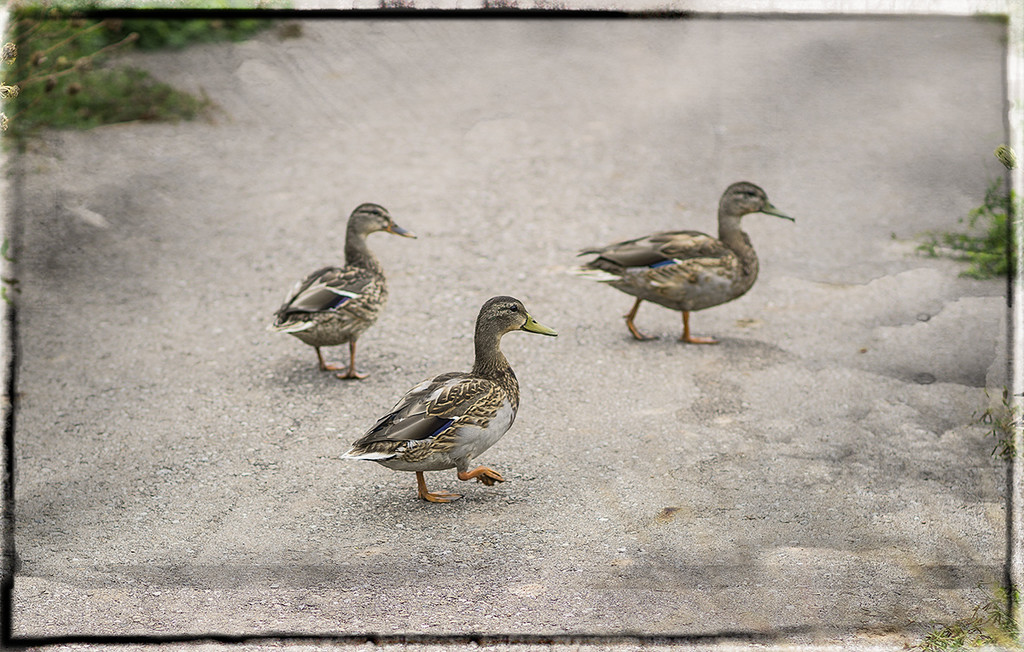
(323,364)
(637,335)
(439,496)
(350,372)
(433,496)
(693,339)
(483,474)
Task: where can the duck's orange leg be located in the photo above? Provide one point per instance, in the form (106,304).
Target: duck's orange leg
(351,373)
(434,497)
(630,316)
(692,339)
(483,474)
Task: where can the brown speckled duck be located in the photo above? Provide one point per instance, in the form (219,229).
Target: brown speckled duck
(686,270)
(448,420)
(334,305)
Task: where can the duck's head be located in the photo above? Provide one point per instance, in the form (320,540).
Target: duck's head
(500,315)
(743,197)
(370,218)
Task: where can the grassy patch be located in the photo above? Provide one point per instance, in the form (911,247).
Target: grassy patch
(158,34)
(990,255)
(1002,421)
(97,97)
(991,624)
(6,283)
(65,77)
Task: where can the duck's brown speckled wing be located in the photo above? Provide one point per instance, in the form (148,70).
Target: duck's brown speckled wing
(656,250)
(327,289)
(433,409)
(684,245)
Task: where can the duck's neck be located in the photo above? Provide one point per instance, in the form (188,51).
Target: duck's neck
(730,233)
(490,363)
(357,254)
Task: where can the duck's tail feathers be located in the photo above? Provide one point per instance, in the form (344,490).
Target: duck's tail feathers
(598,275)
(366,455)
(291,326)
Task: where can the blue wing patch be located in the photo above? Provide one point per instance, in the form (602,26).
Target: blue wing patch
(340,300)
(444,426)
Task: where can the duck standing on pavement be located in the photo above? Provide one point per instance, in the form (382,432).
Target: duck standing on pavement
(448,420)
(334,305)
(686,270)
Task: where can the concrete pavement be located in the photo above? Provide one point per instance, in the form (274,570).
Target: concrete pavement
(818,475)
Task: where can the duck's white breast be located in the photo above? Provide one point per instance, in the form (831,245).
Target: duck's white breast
(474,440)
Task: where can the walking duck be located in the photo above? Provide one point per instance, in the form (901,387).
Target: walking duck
(448,420)
(686,270)
(334,305)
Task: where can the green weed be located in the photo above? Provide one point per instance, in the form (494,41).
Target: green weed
(5,282)
(64,77)
(176,34)
(989,255)
(991,624)
(1002,420)
(1006,156)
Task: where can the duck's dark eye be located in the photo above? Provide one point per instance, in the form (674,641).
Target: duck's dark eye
(513,307)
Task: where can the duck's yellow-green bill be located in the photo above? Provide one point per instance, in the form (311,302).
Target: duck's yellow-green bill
(533,326)
(771,210)
(397,230)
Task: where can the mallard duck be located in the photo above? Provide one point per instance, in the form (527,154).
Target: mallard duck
(334,305)
(686,270)
(448,420)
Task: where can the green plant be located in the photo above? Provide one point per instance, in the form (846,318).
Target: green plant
(1006,156)
(1003,420)
(990,255)
(62,83)
(12,283)
(991,624)
(177,33)
(65,77)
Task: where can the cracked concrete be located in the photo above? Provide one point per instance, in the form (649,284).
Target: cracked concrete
(819,474)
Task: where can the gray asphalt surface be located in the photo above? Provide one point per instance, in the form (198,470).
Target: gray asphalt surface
(819,474)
